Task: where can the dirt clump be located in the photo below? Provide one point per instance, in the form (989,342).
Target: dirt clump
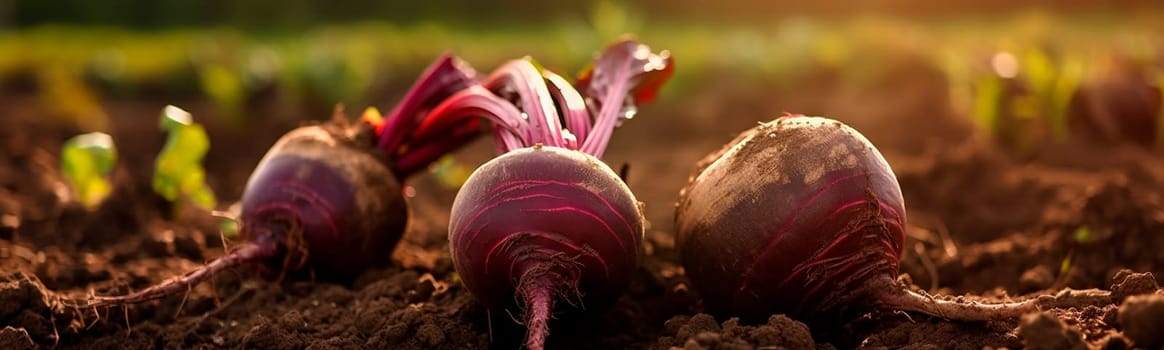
(1045,331)
(703,332)
(15,339)
(1128,283)
(1141,318)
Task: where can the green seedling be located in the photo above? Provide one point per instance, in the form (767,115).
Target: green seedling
(178,169)
(1052,81)
(86,161)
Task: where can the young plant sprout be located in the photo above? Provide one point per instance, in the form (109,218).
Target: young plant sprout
(178,174)
(325,201)
(547,220)
(86,161)
(803,216)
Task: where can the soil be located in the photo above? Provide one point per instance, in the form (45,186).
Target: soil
(983,224)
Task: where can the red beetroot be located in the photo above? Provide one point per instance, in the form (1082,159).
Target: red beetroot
(803,216)
(325,201)
(545,224)
(546,220)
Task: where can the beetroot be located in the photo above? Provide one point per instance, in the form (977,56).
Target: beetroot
(325,201)
(546,220)
(803,216)
(545,224)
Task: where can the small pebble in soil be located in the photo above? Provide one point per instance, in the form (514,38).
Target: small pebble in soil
(1128,283)
(1141,318)
(1043,330)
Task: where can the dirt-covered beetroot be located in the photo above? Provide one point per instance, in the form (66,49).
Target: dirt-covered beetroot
(325,201)
(803,216)
(547,221)
(778,220)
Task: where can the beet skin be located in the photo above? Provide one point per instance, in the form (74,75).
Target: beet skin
(319,187)
(802,216)
(791,217)
(545,223)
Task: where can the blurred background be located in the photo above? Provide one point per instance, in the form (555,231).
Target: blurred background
(1015,69)
(943,88)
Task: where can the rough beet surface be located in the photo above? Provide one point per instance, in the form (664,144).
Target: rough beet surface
(793,216)
(803,216)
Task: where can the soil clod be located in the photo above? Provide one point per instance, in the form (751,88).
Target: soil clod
(1045,331)
(1141,317)
(1128,283)
(15,339)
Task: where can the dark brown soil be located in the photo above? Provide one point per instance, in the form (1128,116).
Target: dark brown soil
(982,224)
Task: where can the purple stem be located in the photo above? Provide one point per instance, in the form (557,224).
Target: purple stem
(522,78)
(420,156)
(612,105)
(444,77)
(626,73)
(473,102)
(577,116)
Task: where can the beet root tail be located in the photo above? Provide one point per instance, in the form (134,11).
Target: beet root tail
(538,294)
(243,253)
(897,297)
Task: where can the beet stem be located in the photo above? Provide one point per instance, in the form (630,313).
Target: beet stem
(897,297)
(425,154)
(441,79)
(537,293)
(243,253)
(572,104)
(473,102)
(534,97)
